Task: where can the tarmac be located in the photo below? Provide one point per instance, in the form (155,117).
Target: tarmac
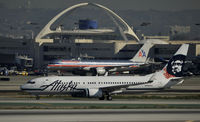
(61,111)
(101,115)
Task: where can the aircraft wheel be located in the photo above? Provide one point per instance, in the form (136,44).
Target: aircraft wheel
(109,98)
(37,97)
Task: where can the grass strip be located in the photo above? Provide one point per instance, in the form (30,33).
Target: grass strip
(95,106)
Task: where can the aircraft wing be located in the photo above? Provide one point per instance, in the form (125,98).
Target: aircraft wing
(126,68)
(118,87)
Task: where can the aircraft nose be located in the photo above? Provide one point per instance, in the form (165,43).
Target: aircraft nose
(22,87)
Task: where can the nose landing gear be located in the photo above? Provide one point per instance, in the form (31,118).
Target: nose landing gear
(109,97)
(37,97)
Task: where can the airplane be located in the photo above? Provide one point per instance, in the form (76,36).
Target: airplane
(101,86)
(102,67)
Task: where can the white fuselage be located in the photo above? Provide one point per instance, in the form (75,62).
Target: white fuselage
(57,84)
(74,64)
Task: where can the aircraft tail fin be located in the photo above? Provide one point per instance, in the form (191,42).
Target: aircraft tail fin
(173,70)
(141,55)
(175,65)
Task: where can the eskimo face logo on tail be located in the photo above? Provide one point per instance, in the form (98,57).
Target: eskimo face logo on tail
(142,53)
(175,65)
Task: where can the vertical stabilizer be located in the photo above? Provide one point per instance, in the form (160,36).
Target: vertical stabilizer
(141,55)
(175,65)
(173,69)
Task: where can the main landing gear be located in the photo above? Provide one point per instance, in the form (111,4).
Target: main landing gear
(108,97)
(37,97)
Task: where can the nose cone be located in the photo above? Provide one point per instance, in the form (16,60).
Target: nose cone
(25,87)
(22,87)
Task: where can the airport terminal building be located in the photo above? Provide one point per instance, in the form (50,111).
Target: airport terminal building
(100,49)
(88,41)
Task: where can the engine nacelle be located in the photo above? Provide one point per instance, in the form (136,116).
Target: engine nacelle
(88,93)
(95,93)
(100,71)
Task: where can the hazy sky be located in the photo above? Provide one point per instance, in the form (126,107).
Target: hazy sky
(112,4)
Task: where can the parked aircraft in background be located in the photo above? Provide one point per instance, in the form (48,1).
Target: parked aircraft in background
(101,86)
(101,67)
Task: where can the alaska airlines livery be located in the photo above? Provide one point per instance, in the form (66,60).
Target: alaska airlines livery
(101,67)
(101,86)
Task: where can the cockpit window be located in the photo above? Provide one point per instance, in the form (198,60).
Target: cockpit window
(31,82)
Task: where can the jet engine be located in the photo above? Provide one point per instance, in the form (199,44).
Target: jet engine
(100,71)
(88,93)
(95,93)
